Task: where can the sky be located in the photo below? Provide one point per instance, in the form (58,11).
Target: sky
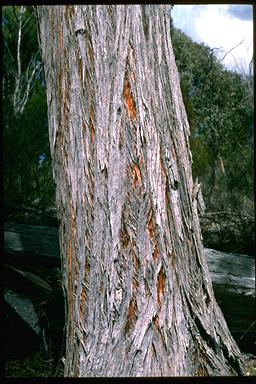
(222,26)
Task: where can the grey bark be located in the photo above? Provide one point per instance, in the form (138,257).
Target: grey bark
(139,298)
(233,273)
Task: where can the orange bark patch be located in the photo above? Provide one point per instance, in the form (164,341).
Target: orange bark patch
(128,99)
(136,176)
(150,227)
(135,284)
(125,239)
(132,310)
(160,285)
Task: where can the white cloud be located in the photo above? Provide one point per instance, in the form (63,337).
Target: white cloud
(216,26)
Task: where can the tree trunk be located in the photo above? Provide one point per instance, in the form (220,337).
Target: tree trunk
(139,298)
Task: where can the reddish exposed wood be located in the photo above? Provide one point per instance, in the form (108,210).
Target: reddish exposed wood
(128,99)
(136,177)
(131,315)
(160,285)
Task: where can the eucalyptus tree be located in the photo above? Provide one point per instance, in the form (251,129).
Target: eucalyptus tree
(139,298)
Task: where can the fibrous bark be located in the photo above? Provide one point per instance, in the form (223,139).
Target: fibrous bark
(139,298)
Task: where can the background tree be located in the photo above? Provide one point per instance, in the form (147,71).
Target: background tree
(139,299)
(219,105)
(220,109)
(26,184)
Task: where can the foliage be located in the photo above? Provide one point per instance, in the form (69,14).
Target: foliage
(219,105)
(26,182)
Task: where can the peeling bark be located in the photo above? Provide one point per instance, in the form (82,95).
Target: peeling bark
(139,298)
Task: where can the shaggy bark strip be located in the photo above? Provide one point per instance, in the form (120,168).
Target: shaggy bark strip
(139,298)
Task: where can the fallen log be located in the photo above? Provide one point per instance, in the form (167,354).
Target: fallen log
(233,279)
(235,272)
(233,275)
(31,243)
